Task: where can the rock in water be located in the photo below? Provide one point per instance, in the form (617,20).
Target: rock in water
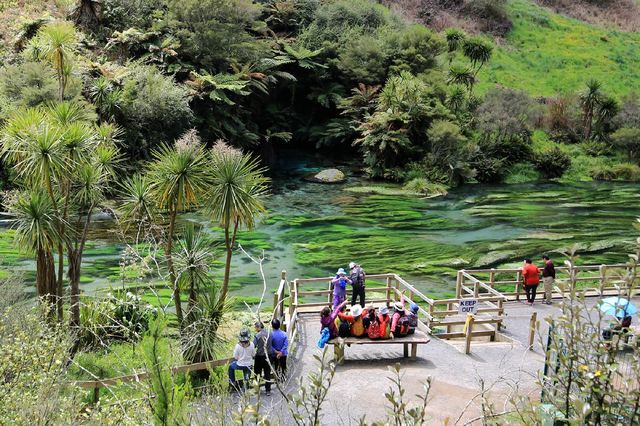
(328,176)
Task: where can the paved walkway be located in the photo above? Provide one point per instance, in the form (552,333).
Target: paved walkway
(505,368)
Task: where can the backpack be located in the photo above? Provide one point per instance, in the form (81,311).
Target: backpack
(374,329)
(357,277)
(344,329)
(413,322)
(402,327)
(385,326)
(357,328)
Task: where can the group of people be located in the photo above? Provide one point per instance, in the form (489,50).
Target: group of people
(267,350)
(383,323)
(531,276)
(356,279)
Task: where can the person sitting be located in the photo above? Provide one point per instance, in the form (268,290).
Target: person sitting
(339,287)
(413,318)
(384,321)
(243,355)
(355,320)
(399,320)
(621,326)
(371,323)
(328,318)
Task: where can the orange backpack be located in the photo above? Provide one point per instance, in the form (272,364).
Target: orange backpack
(385,326)
(357,328)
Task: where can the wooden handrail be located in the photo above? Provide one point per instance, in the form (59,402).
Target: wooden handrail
(101,383)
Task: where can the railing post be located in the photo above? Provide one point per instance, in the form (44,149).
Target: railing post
(492,277)
(389,290)
(469,333)
(476,289)
(517,289)
(603,278)
(533,323)
(396,297)
(96,394)
(459,284)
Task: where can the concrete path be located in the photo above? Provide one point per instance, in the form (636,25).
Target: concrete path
(504,368)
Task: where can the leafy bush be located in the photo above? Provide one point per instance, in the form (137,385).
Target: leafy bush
(626,171)
(522,173)
(120,15)
(597,148)
(424,187)
(119,316)
(26,85)
(628,140)
(153,109)
(489,169)
(505,113)
(552,163)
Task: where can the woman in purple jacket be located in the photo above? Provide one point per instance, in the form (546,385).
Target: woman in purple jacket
(339,287)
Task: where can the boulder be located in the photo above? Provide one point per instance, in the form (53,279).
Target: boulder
(328,176)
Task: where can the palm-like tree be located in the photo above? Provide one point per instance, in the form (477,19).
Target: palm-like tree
(234,197)
(589,100)
(136,196)
(179,178)
(37,229)
(58,40)
(455,38)
(461,75)
(192,261)
(478,50)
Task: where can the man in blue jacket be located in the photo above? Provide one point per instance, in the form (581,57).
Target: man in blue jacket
(280,349)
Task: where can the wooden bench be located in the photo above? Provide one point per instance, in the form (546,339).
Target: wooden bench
(418,338)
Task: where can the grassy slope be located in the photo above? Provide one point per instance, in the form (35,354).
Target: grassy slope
(546,54)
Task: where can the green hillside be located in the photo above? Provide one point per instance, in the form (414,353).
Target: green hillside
(547,53)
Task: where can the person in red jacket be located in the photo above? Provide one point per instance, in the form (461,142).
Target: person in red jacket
(531,275)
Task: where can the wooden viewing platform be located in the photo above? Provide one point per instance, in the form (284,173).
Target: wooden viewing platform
(413,340)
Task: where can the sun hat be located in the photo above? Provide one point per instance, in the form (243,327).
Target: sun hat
(244,336)
(398,306)
(341,272)
(414,308)
(383,310)
(356,310)
(351,265)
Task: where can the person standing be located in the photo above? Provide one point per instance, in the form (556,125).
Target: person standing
(339,287)
(357,277)
(243,355)
(548,278)
(262,343)
(530,273)
(280,349)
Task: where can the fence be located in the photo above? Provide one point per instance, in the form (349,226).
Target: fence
(431,313)
(607,280)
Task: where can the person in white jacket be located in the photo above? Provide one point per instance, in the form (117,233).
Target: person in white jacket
(243,355)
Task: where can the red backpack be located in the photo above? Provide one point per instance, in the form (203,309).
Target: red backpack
(373,331)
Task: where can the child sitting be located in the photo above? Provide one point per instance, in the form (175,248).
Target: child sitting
(413,318)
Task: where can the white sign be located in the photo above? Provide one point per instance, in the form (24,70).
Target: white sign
(467,306)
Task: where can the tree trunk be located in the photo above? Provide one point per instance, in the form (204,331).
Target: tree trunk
(88,14)
(587,124)
(59,280)
(229,241)
(192,292)
(46,280)
(75,259)
(172,273)
(75,269)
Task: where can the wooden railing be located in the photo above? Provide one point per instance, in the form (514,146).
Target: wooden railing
(606,279)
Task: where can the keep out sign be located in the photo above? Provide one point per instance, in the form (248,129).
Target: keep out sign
(467,306)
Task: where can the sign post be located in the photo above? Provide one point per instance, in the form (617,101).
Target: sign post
(467,306)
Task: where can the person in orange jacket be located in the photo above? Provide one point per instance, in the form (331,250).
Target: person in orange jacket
(355,320)
(531,276)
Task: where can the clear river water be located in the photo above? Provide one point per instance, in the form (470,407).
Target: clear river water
(312,229)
